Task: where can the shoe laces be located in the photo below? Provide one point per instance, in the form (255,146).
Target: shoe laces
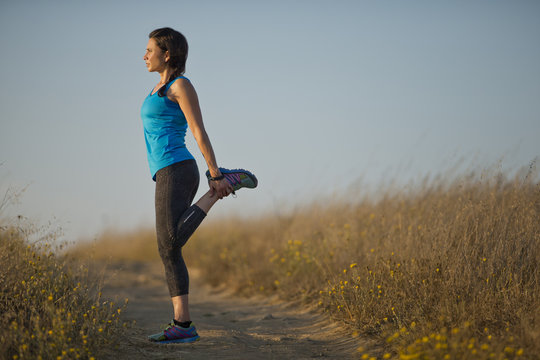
(167,326)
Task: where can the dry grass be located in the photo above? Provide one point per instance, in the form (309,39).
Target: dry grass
(50,308)
(137,245)
(448,270)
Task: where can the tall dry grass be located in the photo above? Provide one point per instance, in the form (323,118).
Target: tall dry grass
(50,307)
(449,270)
(124,246)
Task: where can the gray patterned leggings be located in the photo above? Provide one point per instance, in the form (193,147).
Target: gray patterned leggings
(176,219)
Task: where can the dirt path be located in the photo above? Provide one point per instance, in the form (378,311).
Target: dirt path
(230,327)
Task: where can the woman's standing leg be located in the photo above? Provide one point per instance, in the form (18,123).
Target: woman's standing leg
(176,220)
(180,302)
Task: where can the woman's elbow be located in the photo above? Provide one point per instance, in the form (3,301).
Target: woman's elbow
(200,135)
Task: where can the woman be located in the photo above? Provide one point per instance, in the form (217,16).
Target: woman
(167,112)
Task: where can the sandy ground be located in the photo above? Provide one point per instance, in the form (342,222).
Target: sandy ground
(230,327)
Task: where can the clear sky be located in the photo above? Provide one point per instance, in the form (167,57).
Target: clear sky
(310,95)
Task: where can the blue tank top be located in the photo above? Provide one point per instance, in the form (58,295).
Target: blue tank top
(165,128)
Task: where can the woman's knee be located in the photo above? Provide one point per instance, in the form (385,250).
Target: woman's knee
(167,250)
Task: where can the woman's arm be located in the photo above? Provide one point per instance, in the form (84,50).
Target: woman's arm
(183,92)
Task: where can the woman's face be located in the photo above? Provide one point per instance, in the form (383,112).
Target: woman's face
(154,57)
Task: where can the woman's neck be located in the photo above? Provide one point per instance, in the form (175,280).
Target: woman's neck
(165,74)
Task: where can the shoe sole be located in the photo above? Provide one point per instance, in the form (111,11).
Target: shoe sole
(177,341)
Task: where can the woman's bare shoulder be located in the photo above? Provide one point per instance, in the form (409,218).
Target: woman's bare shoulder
(181,87)
(181,83)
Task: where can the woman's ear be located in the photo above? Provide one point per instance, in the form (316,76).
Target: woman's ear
(167,56)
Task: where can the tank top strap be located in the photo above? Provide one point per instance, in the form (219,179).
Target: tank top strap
(176,78)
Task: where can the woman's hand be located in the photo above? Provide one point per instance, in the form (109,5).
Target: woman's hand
(221,188)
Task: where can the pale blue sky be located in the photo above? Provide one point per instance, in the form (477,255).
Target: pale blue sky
(310,95)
